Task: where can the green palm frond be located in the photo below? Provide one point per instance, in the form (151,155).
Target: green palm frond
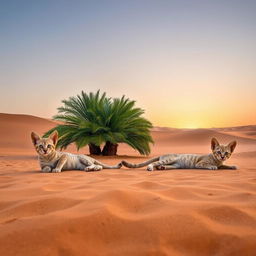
(95,119)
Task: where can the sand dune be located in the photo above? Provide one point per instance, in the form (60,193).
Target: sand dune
(248,131)
(16,129)
(197,141)
(127,211)
(237,128)
(199,136)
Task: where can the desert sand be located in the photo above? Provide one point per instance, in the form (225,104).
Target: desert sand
(127,211)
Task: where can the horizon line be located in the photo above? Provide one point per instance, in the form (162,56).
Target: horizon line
(154,126)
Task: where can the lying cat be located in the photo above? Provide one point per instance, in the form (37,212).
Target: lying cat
(212,161)
(54,161)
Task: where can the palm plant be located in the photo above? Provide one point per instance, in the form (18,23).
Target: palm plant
(95,119)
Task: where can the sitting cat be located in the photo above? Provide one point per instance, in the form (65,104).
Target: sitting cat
(54,161)
(212,161)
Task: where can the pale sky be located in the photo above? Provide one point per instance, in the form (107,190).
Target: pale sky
(187,63)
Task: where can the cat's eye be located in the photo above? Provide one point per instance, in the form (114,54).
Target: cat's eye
(41,146)
(219,152)
(49,146)
(226,153)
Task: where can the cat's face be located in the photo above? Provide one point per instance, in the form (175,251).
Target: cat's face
(45,146)
(222,152)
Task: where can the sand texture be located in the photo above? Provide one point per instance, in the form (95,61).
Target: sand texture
(127,211)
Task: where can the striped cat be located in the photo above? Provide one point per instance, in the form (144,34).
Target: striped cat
(55,161)
(212,161)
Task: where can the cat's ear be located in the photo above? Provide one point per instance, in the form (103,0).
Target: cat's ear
(35,137)
(214,143)
(54,137)
(232,146)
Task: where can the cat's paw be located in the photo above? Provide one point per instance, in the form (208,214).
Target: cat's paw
(233,167)
(97,168)
(93,167)
(213,168)
(150,168)
(89,168)
(47,169)
(56,170)
(160,167)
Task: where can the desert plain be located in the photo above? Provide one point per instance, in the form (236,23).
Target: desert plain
(127,211)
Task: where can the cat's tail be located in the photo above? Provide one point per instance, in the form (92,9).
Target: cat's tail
(129,165)
(105,166)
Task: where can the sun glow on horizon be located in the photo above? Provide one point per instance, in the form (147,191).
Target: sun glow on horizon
(191,126)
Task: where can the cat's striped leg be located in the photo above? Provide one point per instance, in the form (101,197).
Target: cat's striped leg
(232,167)
(89,166)
(168,167)
(161,164)
(60,164)
(207,166)
(158,164)
(93,167)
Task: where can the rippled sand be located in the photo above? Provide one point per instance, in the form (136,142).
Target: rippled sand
(127,211)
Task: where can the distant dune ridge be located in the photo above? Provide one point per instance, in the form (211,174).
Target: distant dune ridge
(17,129)
(127,211)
